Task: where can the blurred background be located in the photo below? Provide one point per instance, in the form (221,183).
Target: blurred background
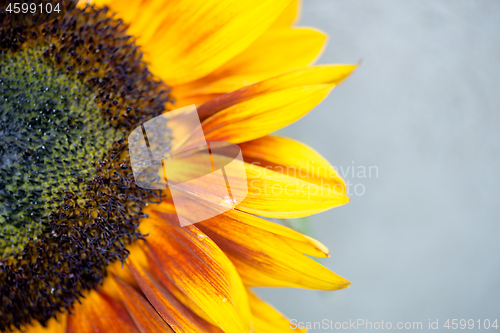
(423,240)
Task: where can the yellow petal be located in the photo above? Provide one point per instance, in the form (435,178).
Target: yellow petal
(275,52)
(263,114)
(265,258)
(292,158)
(309,76)
(197,267)
(276,195)
(184,40)
(267,319)
(301,243)
(235,221)
(290,15)
(266,192)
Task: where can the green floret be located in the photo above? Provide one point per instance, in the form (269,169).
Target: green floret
(51,135)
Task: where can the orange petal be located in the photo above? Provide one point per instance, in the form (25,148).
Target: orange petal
(122,272)
(143,314)
(266,258)
(99,313)
(309,76)
(180,318)
(185,100)
(197,267)
(240,222)
(292,158)
(267,319)
(179,295)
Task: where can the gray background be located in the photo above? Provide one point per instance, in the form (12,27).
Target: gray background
(423,242)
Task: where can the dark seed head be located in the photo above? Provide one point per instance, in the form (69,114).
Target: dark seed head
(58,191)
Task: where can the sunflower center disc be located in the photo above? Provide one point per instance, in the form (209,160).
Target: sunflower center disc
(70,91)
(50,137)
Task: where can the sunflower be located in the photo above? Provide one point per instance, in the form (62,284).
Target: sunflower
(83,248)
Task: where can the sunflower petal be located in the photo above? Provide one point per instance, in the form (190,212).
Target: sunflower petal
(179,295)
(54,325)
(121,271)
(236,220)
(100,313)
(266,192)
(143,314)
(197,267)
(300,46)
(185,39)
(292,158)
(180,318)
(263,114)
(267,319)
(309,76)
(276,195)
(267,259)
(290,15)
(300,242)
